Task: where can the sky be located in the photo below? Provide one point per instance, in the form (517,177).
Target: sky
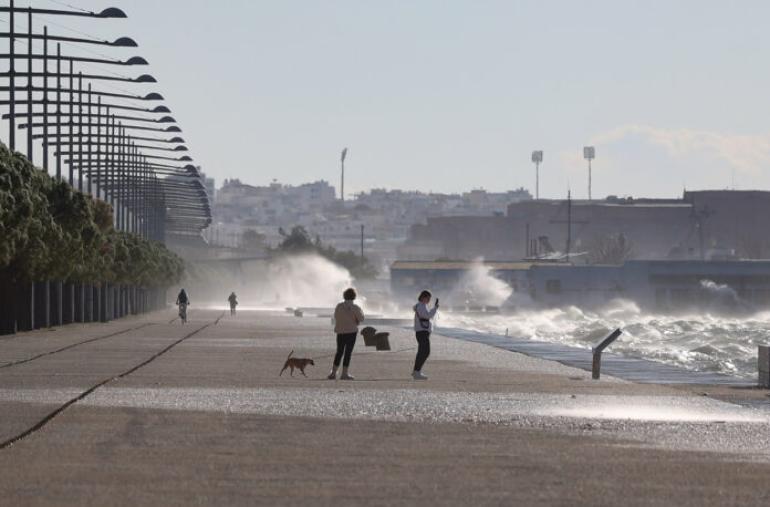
(449,96)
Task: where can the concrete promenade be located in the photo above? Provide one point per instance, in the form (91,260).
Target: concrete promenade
(146,411)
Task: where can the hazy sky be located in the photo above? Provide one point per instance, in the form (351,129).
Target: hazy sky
(451,95)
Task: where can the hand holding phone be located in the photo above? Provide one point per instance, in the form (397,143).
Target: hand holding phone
(436,302)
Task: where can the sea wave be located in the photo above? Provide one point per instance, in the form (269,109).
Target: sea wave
(702,342)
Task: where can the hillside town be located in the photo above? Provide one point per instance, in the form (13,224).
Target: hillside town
(255,217)
(389,225)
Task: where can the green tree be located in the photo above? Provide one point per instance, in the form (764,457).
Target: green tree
(49,231)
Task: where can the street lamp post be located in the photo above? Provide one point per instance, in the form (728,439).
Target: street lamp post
(11,35)
(80,92)
(29,79)
(12,78)
(87,122)
(88,159)
(537,158)
(45,93)
(589,153)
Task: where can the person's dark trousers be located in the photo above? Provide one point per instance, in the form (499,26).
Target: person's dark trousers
(423,349)
(345,344)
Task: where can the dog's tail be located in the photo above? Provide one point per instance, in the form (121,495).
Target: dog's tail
(286,364)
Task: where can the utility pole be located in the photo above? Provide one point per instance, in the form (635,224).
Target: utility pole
(569,222)
(342,183)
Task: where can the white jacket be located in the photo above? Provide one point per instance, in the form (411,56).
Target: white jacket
(347,317)
(423,317)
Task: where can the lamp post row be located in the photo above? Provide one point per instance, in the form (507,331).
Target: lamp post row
(113,145)
(95,139)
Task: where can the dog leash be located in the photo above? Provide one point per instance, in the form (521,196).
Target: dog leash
(365,353)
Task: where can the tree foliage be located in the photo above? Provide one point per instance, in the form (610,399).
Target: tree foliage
(298,241)
(49,231)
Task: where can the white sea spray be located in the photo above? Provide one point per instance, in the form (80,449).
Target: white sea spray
(701,342)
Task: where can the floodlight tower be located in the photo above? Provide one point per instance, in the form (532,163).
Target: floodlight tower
(537,158)
(589,153)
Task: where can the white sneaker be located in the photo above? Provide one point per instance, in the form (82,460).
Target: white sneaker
(417,375)
(347,376)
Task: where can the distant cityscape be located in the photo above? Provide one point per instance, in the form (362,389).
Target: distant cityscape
(412,225)
(386,215)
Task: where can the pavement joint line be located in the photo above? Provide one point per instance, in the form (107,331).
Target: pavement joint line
(73,345)
(51,416)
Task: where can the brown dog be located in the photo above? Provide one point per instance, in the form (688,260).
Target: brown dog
(296,362)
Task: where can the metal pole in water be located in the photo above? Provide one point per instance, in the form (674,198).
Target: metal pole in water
(596,365)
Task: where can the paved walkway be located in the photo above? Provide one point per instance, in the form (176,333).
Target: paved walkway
(144,411)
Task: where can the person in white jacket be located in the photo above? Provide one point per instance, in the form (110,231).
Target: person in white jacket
(423,325)
(347,317)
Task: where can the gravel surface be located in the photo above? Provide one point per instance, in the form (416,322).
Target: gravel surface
(670,422)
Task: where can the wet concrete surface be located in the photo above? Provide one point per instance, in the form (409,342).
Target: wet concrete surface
(211,422)
(627,368)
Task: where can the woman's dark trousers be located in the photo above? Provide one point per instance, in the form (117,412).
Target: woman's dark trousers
(423,349)
(345,344)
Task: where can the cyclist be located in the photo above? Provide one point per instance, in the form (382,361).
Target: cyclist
(182,301)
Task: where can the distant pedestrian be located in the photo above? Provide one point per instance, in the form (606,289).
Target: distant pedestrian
(423,325)
(233,299)
(347,317)
(183,302)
